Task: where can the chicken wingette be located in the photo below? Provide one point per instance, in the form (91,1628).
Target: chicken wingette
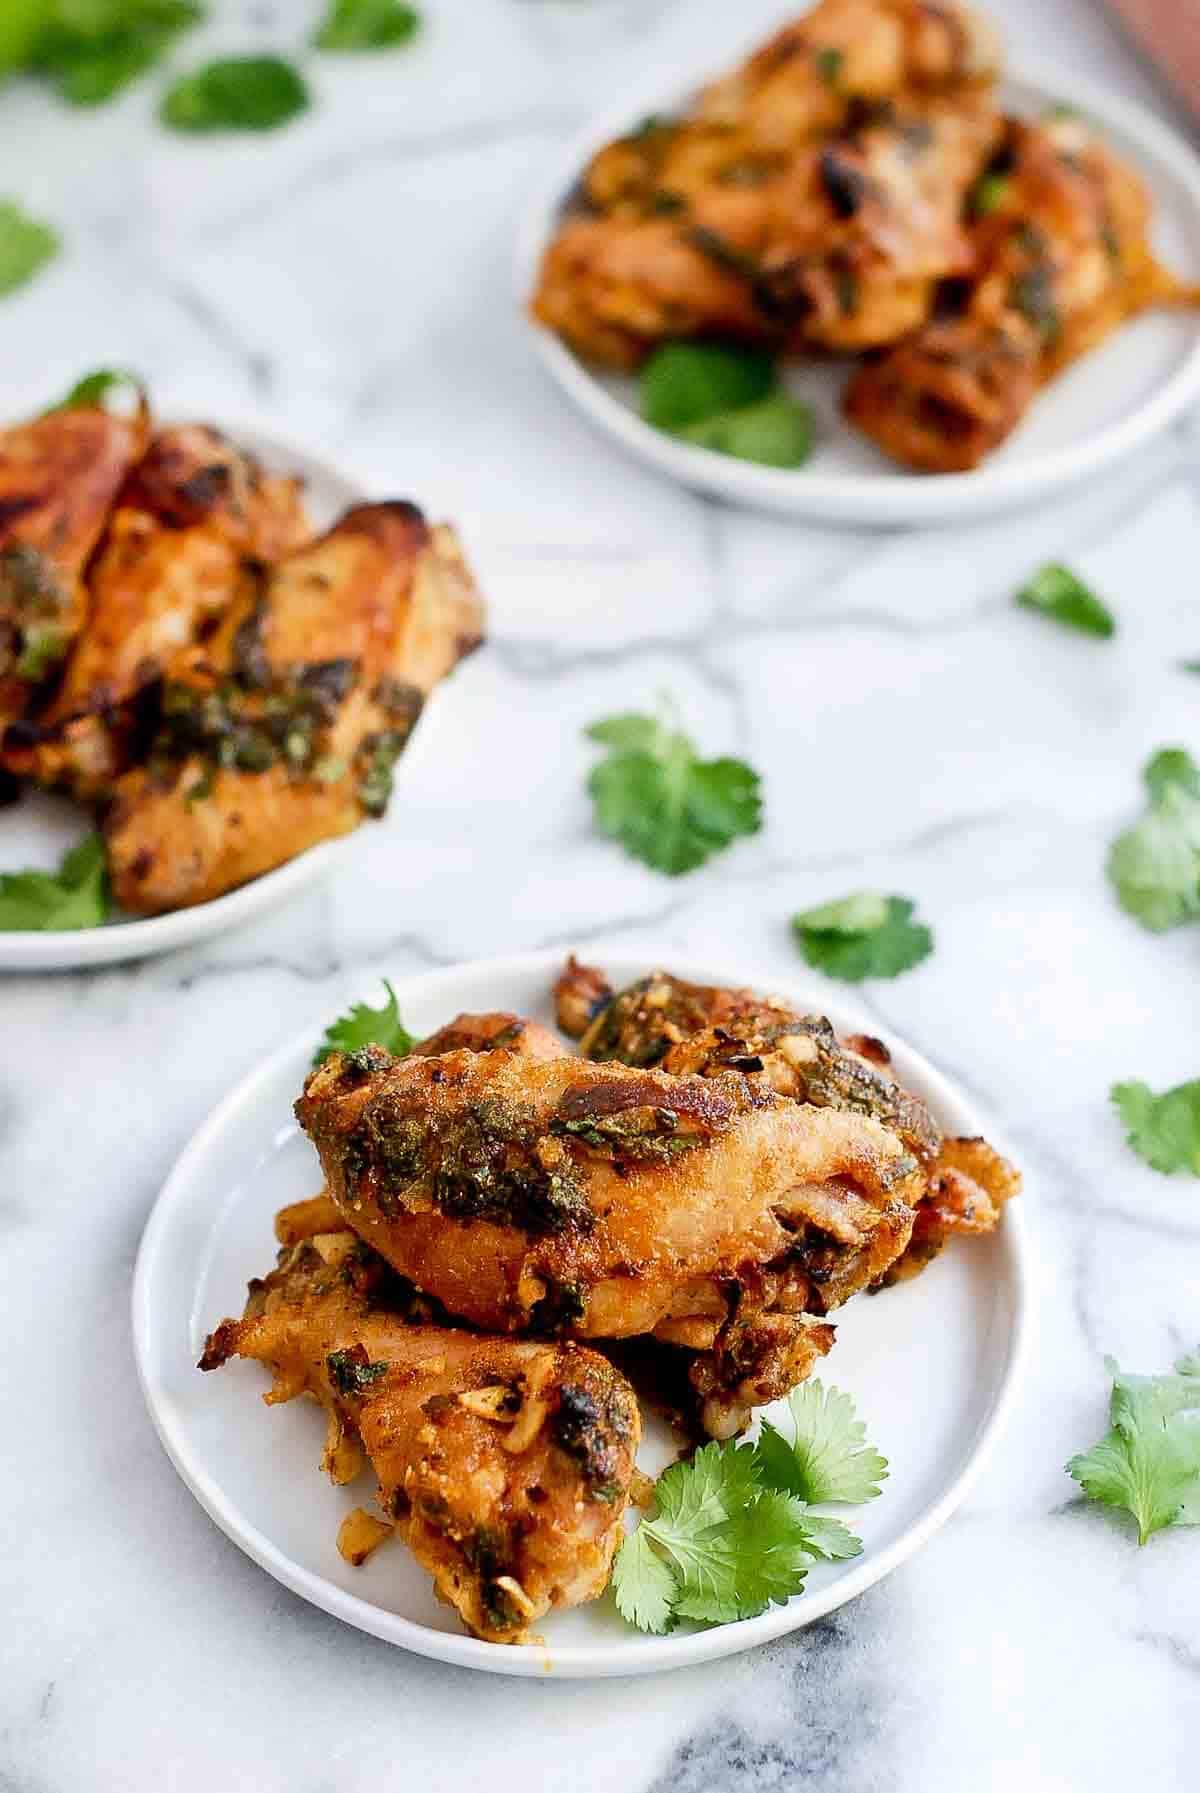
(504,1464)
(283,728)
(59,477)
(187,519)
(806,83)
(604,1202)
(1063,256)
(703,1030)
(839,246)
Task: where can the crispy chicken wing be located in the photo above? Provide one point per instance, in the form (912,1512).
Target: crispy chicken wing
(1063,257)
(505,1464)
(282,730)
(59,476)
(170,564)
(605,1202)
(698,1029)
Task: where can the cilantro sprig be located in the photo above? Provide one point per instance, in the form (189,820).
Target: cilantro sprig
(726,398)
(667,806)
(362,1025)
(732,1535)
(91,52)
(863,935)
(1164,1130)
(1155,865)
(1148,1462)
(76,896)
(1055,591)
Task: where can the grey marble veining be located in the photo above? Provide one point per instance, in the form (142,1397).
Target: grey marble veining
(350,281)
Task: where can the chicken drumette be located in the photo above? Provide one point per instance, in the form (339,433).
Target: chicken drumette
(504,1464)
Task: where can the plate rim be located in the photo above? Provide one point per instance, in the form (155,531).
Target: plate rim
(886,497)
(643,1655)
(76,949)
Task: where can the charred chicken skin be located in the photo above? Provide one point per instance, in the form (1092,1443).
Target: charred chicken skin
(605,1202)
(701,1030)
(282,729)
(190,516)
(1062,257)
(59,477)
(505,1465)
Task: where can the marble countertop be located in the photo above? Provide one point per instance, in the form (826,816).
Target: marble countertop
(349,281)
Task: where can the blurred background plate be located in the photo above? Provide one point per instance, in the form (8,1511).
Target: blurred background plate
(931,1364)
(1106,406)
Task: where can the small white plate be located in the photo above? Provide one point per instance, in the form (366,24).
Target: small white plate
(39,829)
(1107,405)
(932,1364)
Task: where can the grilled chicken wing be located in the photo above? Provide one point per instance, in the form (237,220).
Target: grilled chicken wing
(806,83)
(839,245)
(59,476)
(282,730)
(698,1029)
(605,1202)
(505,1464)
(1063,257)
(189,516)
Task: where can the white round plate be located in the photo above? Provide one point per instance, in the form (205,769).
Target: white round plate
(39,829)
(931,1364)
(1102,409)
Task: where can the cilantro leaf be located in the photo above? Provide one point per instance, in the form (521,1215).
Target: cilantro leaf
(667,807)
(864,935)
(644,1585)
(236,93)
(25,246)
(96,388)
(720,1548)
(683,383)
(1056,592)
(364,1026)
(775,432)
(74,897)
(91,52)
(367,25)
(1148,1462)
(1155,865)
(828,1458)
(1164,1130)
(827,1538)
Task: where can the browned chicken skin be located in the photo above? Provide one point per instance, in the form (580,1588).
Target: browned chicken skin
(59,476)
(1063,257)
(604,1202)
(281,731)
(703,1030)
(189,516)
(504,1464)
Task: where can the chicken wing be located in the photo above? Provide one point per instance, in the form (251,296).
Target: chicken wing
(187,519)
(505,1464)
(1063,257)
(839,246)
(604,1202)
(702,1030)
(59,477)
(282,730)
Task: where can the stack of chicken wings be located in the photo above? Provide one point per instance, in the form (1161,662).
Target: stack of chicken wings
(181,652)
(855,187)
(712,1174)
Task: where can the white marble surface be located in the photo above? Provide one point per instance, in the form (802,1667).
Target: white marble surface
(349,280)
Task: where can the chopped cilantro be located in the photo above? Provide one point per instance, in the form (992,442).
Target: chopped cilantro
(25,246)
(236,93)
(367,25)
(1155,865)
(47,902)
(1148,1462)
(364,1026)
(1164,1130)
(863,935)
(1056,592)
